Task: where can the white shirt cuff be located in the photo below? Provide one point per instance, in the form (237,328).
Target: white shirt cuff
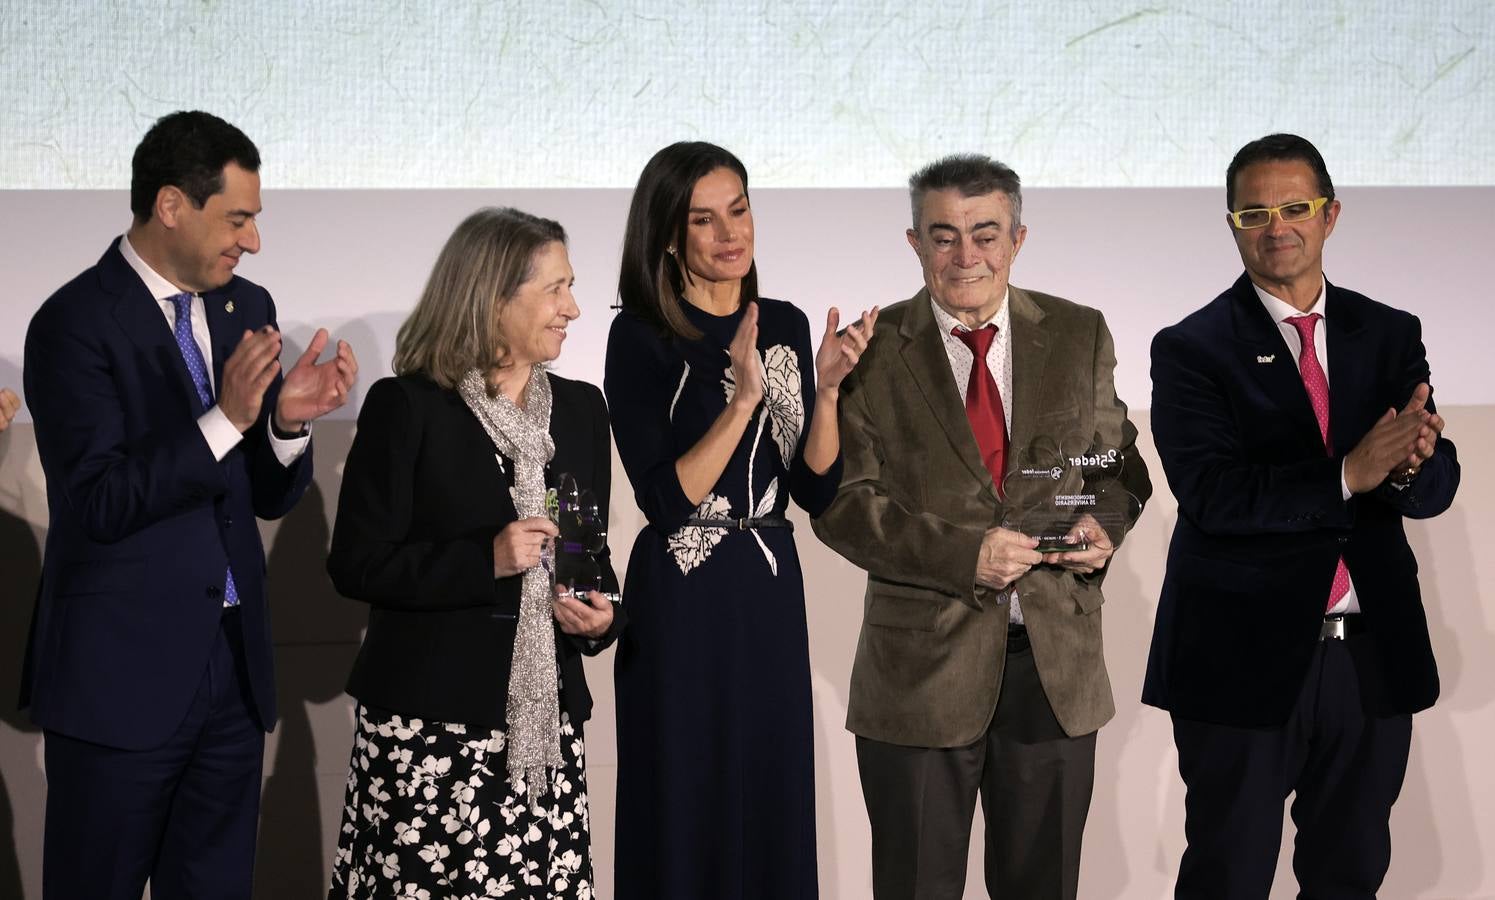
(219,432)
(1344,486)
(288,451)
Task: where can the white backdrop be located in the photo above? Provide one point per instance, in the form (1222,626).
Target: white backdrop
(815,93)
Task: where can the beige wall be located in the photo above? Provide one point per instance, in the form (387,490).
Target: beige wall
(359,274)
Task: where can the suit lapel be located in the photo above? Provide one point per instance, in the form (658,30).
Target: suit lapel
(1349,382)
(929,367)
(1265,357)
(224,328)
(1030,354)
(139,316)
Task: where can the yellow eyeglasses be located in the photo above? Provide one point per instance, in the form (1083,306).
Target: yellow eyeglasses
(1296,211)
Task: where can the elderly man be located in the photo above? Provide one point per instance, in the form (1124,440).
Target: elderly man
(1296,427)
(979,668)
(165,428)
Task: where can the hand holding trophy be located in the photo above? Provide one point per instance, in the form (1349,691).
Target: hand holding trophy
(1068,495)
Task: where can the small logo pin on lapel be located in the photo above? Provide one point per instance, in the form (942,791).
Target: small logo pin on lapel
(228,307)
(1266,359)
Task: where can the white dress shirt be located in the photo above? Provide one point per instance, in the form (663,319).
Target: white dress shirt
(998,362)
(1280,311)
(216,429)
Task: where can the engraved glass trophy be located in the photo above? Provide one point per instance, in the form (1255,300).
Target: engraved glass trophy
(1056,486)
(571,557)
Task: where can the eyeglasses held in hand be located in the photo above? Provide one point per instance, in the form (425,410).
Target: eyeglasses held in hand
(1259,217)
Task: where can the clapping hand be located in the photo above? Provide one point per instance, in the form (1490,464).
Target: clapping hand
(312,389)
(839,353)
(10,404)
(1398,443)
(247,372)
(747,366)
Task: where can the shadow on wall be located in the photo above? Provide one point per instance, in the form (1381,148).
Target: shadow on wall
(317,633)
(1435,833)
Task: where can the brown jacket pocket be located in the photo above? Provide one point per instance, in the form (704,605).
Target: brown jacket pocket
(900,606)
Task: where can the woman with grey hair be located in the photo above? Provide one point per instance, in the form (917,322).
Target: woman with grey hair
(468,775)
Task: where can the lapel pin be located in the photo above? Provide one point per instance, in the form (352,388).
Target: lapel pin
(1260,359)
(228,307)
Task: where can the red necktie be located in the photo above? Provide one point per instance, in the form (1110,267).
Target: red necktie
(984,403)
(1318,395)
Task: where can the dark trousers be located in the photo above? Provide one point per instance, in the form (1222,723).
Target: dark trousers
(1034,783)
(1344,764)
(182,815)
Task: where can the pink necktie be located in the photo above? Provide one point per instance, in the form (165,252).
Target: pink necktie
(1318,395)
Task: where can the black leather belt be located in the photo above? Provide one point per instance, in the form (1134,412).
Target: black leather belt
(1017,637)
(1339,627)
(742,524)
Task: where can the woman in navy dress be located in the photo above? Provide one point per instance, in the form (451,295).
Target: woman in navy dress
(719,422)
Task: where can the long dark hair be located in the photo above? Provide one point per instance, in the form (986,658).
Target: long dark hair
(651,283)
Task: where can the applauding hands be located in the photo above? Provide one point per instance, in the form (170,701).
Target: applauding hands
(839,353)
(10,404)
(310,390)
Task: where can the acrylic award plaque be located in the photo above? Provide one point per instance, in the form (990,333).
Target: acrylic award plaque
(1056,487)
(572,555)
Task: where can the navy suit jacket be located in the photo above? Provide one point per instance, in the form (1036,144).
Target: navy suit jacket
(1261,515)
(144,521)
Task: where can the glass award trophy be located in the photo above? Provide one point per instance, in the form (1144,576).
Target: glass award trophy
(1056,487)
(571,558)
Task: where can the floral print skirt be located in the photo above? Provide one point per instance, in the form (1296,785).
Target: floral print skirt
(432,813)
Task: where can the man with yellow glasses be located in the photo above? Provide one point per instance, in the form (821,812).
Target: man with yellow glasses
(1297,430)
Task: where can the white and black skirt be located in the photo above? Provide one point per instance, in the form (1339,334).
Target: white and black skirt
(432,813)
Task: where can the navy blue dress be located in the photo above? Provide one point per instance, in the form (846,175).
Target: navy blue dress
(716,793)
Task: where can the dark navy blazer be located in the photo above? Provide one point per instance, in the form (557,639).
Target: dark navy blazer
(144,521)
(1261,514)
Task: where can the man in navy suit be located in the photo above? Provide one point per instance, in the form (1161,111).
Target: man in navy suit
(1296,426)
(164,428)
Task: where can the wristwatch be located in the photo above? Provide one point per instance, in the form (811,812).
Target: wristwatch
(1403,479)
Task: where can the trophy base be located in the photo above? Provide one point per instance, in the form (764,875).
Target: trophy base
(1048,543)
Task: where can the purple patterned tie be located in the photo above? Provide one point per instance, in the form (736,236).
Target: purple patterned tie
(1318,396)
(198,369)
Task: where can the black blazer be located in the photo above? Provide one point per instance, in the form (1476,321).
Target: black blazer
(144,521)
(1261,515)
(423,496)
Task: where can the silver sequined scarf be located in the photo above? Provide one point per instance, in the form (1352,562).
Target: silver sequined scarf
(534,716)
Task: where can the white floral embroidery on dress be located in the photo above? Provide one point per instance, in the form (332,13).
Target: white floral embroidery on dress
(691,544)
(784,410)
(782,394)
(784,398)
(765,508)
